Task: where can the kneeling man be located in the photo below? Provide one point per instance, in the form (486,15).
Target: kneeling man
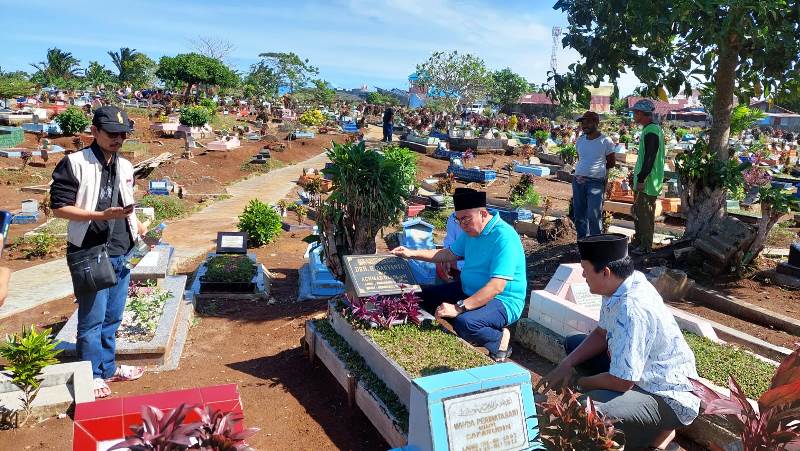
(490,292)
(635,365)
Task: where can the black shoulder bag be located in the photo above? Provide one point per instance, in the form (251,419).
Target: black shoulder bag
(91,269)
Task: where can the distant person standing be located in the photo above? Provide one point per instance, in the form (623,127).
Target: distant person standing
(648,177)
(595,156)
(388,124)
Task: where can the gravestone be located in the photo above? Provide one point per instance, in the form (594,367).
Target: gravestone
(231,243)
(154,265)
(158,187)
(489,407)
(579,293)
(380,274)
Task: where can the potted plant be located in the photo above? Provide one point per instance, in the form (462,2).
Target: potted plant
(228,274)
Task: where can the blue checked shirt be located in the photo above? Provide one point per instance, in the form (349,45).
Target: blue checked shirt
(646,345)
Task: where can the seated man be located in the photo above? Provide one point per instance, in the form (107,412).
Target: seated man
(490,294)
(635,364)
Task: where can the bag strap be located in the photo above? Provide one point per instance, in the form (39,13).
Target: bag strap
(114,194)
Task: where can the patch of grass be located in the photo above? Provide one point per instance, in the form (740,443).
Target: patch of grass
(38,245)
(438,219)
(781,235)
(223,197)
(356,365)
(136,111)
(136,147)
(261,168)
(223,122)
(166,207)
(55,226)
(715,362)
(426,350)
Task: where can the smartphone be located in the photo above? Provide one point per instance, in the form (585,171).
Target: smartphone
(129,207)
(5,221)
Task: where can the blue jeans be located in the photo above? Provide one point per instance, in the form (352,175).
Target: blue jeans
(587,206)
(480,327)
(387,132)
(99,317)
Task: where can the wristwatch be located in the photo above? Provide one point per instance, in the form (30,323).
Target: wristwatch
(460,304)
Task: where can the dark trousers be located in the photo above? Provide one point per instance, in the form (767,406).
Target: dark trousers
(480,327)
(99,317)
(642,416)
(387,132)
(644,220)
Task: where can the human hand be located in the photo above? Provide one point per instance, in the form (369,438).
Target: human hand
(113,213)
(447,310)
(562,375)
(402,251)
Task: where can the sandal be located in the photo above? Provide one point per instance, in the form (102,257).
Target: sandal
(101,389)
(501,356)
(126,373)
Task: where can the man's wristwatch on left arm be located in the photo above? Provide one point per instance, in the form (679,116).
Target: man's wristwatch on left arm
(460,304)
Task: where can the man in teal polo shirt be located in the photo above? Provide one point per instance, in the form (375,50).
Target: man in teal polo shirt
(490,294)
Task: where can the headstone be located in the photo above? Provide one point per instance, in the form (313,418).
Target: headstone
(489,407)
(231,243)
(158,187)
(579,293)
(380,274)
(154,265)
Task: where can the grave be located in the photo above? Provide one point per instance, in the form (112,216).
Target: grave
(418,234)
(512,215)
(484,176)
(378,274)
(62,385)
(11,137)
(101,424)
(224,144)
(158,187)
(791,268)
(539,171)
(427,149)
(316,280)
(299,134)
(162,351)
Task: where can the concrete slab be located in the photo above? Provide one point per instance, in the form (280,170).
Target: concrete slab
(155,264)
(62,385)
(37,285)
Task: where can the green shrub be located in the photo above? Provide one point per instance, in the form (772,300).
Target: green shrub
(569,153)
(312,117)
(530,198)
(195,116)
(39,245)
(72,121)
(27,355)
(230,269)
(438,219)
(209,105)
(261,223)
(165,207)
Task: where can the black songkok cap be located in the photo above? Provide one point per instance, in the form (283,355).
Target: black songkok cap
(466,198)
(603,248)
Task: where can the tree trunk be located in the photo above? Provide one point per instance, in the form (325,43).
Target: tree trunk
(702,205)
(765,225)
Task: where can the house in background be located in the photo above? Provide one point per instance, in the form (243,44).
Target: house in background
(600,100)
(535,104)
(777,117)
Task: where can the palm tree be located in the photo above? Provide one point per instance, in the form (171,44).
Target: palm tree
(58,65)
(121,59)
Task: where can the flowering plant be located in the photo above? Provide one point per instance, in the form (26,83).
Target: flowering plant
(384,311)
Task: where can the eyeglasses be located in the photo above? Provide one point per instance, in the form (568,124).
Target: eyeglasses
(111,135)
(464,220)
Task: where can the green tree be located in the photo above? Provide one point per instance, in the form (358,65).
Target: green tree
(292,71)
(14,86)
(190,69)
(140,71)
(96,75)
(508,87)
(378,98)
(122,60)
(788,95)
(456,78)
(740,46)
(322,93)
(58,66)
(261,82)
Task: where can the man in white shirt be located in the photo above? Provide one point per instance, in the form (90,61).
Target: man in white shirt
(595,156)
(635,364)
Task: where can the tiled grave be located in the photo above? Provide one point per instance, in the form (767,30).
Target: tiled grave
(155,264)
(62,385)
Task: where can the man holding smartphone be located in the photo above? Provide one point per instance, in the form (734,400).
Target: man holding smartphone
(93,189)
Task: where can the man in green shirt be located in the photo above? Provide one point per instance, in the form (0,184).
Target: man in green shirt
(648,177)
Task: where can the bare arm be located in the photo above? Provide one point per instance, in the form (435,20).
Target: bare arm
(5,277)
(426,255)
(74,213)
(489,291)
(604,381)
(611,161)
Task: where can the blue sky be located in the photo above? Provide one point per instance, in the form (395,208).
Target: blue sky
(353,42)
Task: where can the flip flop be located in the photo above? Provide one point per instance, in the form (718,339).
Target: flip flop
(101,389)
(126,373)
(502,356)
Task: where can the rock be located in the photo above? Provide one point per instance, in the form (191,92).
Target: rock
(534,160)
(671,284)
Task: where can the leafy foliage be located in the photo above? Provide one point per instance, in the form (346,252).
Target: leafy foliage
(133,67)
(301,211)
(700,168)
(524,194)
(569,153)
(261,82)
(508,87)
(312,117)
(39,244)
(162,431)
(210,105)
(146,304)
(58,65)
(290,69)
(261,223)
(322,93)
(541,137)
(774,426)
(11,87)
(96,75)
(72,120)
(195,116)
(567,425)
(165,207)
(229,268)
(743,117)
(438,219)
(187,69)
(27,354)
(378,98)
(383,311)
(458,78)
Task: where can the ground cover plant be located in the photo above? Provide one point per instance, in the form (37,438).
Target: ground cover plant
(261,223)
(313,117)
(165,207)
(438,219)
(566,424)
(716,362)
(229,269)
(72,121)
(356,365)
(143,309)
(38,245)
(27,354)
(194,116)
(568,153)
(524,194)
(774,426)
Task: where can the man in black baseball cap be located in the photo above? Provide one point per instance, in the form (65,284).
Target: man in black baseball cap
(112,120)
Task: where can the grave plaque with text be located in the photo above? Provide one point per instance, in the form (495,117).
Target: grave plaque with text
(231,243)
(493,419)
(379,274)
(580,294)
